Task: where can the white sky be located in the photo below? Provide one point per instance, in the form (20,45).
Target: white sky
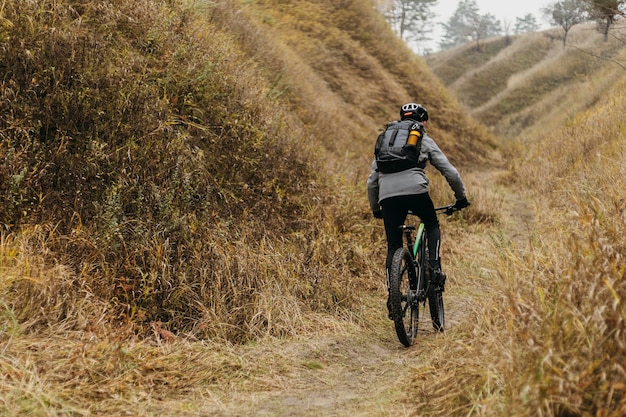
(501,9)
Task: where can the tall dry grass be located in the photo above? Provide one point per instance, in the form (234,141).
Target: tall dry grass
(547,338)
(190,172)
(547,334)
(148,165)
(567,308)
(165,155)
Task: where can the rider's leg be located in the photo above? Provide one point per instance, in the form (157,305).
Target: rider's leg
(394,214)
(425,209)
(394,210)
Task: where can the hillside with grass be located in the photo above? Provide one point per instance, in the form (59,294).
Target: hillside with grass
(185,229)
(532,82)
(151,149)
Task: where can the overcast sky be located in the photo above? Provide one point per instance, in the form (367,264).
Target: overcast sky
(501,9)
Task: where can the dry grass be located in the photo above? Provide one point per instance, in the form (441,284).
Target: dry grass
(160,183)
(480,83)
(545,328)
(167,154)
(535,84)
(465,58)
(179,181)
(571,314)
(87,374)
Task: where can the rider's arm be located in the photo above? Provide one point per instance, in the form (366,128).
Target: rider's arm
(372,188)
(439,160)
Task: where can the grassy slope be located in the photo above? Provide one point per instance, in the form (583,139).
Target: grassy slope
(191,232)
(573,305)
(188,170)
(144,132)
(558,309)
(534,83)
(355,69)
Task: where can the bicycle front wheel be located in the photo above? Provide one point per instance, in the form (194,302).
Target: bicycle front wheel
(435,303)
(404,307)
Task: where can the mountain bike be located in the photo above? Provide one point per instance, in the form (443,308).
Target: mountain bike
(410,284)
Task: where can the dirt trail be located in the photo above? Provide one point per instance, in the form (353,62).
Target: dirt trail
(356,369)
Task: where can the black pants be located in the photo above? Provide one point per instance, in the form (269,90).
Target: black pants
(395,210)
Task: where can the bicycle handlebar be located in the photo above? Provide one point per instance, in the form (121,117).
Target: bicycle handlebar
(448,210)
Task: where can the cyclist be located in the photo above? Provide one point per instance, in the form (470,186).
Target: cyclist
(392,195)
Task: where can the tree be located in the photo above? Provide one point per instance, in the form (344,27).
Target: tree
(457,28)
(468,25)
(605,13)
(566,14)
(410,18)
(507,30)
(526,24)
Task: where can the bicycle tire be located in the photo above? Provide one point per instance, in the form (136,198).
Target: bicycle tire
(435,297)
(403,308)
(437,312)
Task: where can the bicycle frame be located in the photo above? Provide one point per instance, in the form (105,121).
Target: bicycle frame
(413,246)
(418,239)
(409,286)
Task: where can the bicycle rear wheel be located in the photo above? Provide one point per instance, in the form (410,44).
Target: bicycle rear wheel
(404,307)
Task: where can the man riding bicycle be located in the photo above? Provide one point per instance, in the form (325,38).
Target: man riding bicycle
(397,191)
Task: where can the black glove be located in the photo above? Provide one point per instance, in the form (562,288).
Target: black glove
(377,214)
(461,204)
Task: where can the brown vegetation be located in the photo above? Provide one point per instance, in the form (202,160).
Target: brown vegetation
(184,221)
(534,84)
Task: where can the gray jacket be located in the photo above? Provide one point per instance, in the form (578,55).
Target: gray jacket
(413,181)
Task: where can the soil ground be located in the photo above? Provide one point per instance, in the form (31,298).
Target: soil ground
(360,369)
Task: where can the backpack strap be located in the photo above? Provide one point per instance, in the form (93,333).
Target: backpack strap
(392,140)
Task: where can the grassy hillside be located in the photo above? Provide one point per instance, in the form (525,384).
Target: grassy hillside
(534,83)
(185,231)
(353,67)
(116,118)
(175,169)
(570,304)
(547,329)
(154,148)
(556,319)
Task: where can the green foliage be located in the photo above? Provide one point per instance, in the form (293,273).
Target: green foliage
(606,13)
(467,25)
(526,24)
(566,14)
(411,19)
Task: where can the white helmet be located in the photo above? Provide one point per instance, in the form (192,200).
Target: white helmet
(414,111)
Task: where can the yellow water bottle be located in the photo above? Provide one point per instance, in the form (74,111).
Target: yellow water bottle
(414,136)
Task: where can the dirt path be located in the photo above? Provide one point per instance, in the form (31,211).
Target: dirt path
(359,369)
(356,371)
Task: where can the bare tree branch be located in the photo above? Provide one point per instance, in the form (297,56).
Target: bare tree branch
(604,58)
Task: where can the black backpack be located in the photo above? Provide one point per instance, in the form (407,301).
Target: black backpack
(391,150)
